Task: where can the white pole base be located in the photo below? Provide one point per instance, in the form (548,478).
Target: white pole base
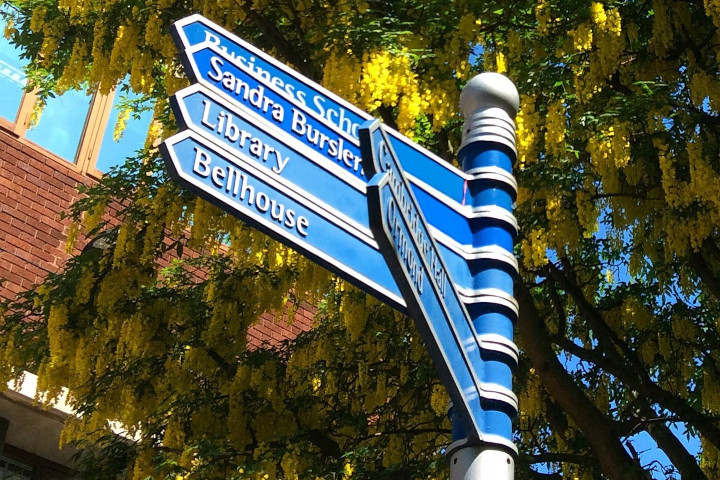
(481,463)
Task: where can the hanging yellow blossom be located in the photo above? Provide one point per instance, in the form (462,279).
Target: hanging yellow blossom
(555,128)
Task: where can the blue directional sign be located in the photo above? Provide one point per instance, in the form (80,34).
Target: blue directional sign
(209,66)
(236,182)
(235,126)
(289,157)
(320,119)
(470,365)
(336,112)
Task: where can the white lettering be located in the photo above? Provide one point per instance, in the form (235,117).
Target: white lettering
(245,188)
(202,163)
(301,97)
(281,163)
(218,175)
(302,224)
(403,247)
(233,173)
(262,202)
(206,111)
(278,113)
(256,147)
(318,101)
(216,63)
(290,218)
(210,38)
(347,158)
(243,137)
(298,122)
(227,127)
(267,150)
(256,97)
(231,179)
(232,131)
(276,211)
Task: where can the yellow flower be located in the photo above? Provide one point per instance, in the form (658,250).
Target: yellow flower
(582,37)
(439,399)
(599,17)
(348,469)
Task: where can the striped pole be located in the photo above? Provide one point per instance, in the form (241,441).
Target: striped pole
(489,103)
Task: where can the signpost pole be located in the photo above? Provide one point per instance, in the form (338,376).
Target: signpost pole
(489,103)
(250,150)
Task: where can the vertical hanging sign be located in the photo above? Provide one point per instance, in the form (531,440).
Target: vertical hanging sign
(465,360)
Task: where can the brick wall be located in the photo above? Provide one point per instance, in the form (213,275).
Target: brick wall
(35,187)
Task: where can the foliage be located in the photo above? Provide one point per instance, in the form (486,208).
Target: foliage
(618,145)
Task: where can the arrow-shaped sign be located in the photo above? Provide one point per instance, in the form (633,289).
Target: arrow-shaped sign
(343,194)
(236,183)
(464,359)
(217,58)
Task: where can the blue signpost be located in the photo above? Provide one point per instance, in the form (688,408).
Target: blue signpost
(248,78)
(292,159)
(476,369)
(489,103)
(277,148)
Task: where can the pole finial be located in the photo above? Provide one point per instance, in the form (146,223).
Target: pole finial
(488,90)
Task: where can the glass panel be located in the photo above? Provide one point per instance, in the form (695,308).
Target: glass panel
(12,76)
(113,152)
(12,470)
(61,124)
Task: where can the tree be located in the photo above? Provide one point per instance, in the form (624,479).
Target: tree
(618,205)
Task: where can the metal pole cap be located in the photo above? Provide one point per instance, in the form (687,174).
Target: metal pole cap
(489,103)
(489,90)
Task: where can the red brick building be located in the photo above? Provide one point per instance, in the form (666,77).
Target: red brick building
(35,187)
(40,169)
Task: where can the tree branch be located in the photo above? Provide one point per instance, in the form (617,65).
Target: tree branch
(564,457)
(602,437)
(700,264)
(677,453)
(289,52)
(636,377)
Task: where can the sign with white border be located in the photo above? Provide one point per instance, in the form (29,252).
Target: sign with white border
(463,358)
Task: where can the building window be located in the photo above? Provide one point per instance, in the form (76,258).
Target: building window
(12,76)
(12,470)
(113,152)
(76,126)
(61,124)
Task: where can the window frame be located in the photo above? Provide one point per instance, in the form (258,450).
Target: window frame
(92,169)
(93,130)
(91,138)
